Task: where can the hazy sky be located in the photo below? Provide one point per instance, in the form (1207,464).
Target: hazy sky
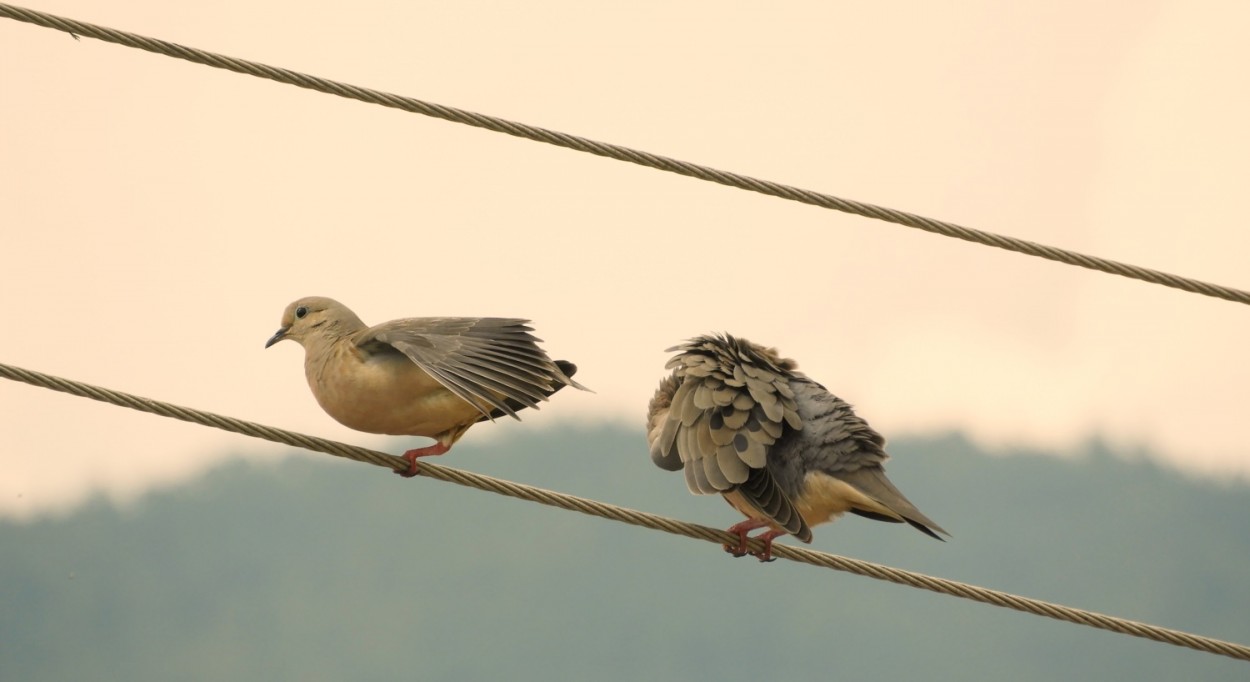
(158,215)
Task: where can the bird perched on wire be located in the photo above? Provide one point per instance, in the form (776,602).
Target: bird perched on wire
(744,423)
(423,376)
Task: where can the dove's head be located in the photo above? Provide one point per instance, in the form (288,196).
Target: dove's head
(315,317)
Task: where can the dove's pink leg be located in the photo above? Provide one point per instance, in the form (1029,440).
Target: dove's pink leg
(412,455)
(741,529)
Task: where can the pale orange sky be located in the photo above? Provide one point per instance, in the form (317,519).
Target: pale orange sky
(158,215)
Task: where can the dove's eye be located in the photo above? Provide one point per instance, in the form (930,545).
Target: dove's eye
(301,311)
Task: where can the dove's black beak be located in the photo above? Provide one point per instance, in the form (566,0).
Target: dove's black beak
(278,336)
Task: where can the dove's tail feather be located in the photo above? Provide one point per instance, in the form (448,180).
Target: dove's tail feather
(872,482)
(875,516)
(926,530)
(567,368)
(890,519)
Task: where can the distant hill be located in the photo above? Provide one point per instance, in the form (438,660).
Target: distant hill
(318,569)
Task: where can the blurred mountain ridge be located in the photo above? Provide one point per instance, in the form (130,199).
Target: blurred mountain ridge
(315,568)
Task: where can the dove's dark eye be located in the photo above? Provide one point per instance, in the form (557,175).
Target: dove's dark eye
(301,311)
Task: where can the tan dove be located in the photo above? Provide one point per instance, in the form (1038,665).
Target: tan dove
(420,376)
(744,423)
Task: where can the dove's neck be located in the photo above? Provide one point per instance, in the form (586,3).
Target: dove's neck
(330,335)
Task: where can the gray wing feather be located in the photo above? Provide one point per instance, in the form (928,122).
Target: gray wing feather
(835,439)
(841,444)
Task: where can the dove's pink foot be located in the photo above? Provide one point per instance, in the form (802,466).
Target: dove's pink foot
(767,554)
(741,530)
(412,455)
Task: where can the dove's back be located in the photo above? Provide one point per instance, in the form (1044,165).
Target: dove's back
(834,464)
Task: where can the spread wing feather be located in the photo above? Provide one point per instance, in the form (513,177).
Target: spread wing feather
(494,364)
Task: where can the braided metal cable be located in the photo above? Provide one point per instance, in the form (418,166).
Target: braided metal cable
(621,153)
(632,516)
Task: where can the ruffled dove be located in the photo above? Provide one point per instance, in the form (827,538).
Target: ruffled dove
(420,376)
(744,423)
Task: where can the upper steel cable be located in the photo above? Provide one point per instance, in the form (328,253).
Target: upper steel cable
(621,153)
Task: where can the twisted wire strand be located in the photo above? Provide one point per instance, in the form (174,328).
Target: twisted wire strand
(632,516)
(620,153)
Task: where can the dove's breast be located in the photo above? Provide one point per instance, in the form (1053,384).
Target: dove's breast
(384,393)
